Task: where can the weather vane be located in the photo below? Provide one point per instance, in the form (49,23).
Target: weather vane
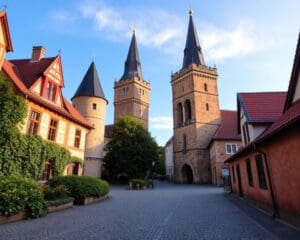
(4,7)
(94,57)
(190,7)
(59,52)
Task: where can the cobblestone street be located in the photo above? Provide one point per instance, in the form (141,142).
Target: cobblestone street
(168,212)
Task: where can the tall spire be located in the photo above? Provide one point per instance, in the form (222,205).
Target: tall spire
(90,84)
(132,64)
(192,51)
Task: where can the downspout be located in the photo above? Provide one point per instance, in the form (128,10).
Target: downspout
(274,204)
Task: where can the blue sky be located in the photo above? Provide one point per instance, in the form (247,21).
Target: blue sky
(252,43)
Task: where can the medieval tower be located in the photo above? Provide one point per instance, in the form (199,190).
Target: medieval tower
(132,92)
(196,112)
(90,101)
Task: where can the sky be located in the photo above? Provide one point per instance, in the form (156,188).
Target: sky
(252,44)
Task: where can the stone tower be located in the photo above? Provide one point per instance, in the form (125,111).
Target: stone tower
(90,101)
(196,112)
(132,92)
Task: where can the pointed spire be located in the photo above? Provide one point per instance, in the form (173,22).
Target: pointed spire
(90,84)
(132,64)
(192,51)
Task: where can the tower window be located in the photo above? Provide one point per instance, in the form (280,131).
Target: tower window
(50,91)
(77,138)
(179,114)
(205,87)
(94,106)
(207,107)
(188,111)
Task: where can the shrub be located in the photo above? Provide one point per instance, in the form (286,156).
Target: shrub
(81,187)
(140,183)
(60,201)
(18,194)
(58,192)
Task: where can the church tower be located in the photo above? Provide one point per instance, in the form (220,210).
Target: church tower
(90,101)
(196,112)
(132,92)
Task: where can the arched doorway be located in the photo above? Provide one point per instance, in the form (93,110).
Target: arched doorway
(187,174)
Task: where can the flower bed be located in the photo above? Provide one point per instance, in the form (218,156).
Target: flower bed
(138,184)
(81,187)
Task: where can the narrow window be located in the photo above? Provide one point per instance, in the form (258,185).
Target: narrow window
(261,172)
(207,107)
(228,148)
(231,148)
(94,106)
(77,138)
(233,173)
(50,91)
(234,148)
(52,130)
(249,172)
(34,122)
(188,111)
(179,115)
(48,170)
(205,87)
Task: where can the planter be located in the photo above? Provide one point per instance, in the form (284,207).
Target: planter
(90,200)
(60,207)
(13,218)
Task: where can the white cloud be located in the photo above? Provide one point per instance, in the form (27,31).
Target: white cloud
(161,122)
(62,16)
(220,44)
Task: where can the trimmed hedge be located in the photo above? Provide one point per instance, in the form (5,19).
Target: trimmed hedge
(60,201)
(58,192)
(140,183)
(19,194)
(81,187)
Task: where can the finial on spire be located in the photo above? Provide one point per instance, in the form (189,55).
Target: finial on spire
(4,7)
(132,28)
(94,57)
(190,12)
(59,52)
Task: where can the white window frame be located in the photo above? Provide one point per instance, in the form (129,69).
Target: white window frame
(231,152)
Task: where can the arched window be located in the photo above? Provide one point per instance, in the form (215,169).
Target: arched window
(205,87)
(188,111)
(179,114)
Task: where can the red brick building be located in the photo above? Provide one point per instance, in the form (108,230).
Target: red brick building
(266,170)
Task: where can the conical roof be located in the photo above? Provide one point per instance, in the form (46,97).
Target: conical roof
(90,84)
(192,51)
(132,64)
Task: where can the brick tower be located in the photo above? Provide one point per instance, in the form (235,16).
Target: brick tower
(90,101)
(132,92)
(196,112)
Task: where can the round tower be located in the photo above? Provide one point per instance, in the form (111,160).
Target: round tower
(90,101)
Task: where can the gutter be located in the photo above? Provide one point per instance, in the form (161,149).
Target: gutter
(274,200)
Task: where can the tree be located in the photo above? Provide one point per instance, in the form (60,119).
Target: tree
(131,150)
(160,164)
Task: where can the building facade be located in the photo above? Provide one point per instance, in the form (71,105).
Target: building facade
(132,92)
(266,170)
(169,161)
(90,101)
(40,80)
(196,113)
(225,143)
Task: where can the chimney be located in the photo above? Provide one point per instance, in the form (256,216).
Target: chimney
(38,53)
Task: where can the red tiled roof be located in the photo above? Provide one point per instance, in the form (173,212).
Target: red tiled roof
(262,107)
(228,128)
(67,110)
(5,27)
(30,71)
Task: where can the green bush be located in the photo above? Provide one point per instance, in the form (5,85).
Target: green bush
(81,186)
(58,192)
(140,183)
(60,201)
(18,194)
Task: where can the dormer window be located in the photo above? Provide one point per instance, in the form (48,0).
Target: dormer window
(50,91)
